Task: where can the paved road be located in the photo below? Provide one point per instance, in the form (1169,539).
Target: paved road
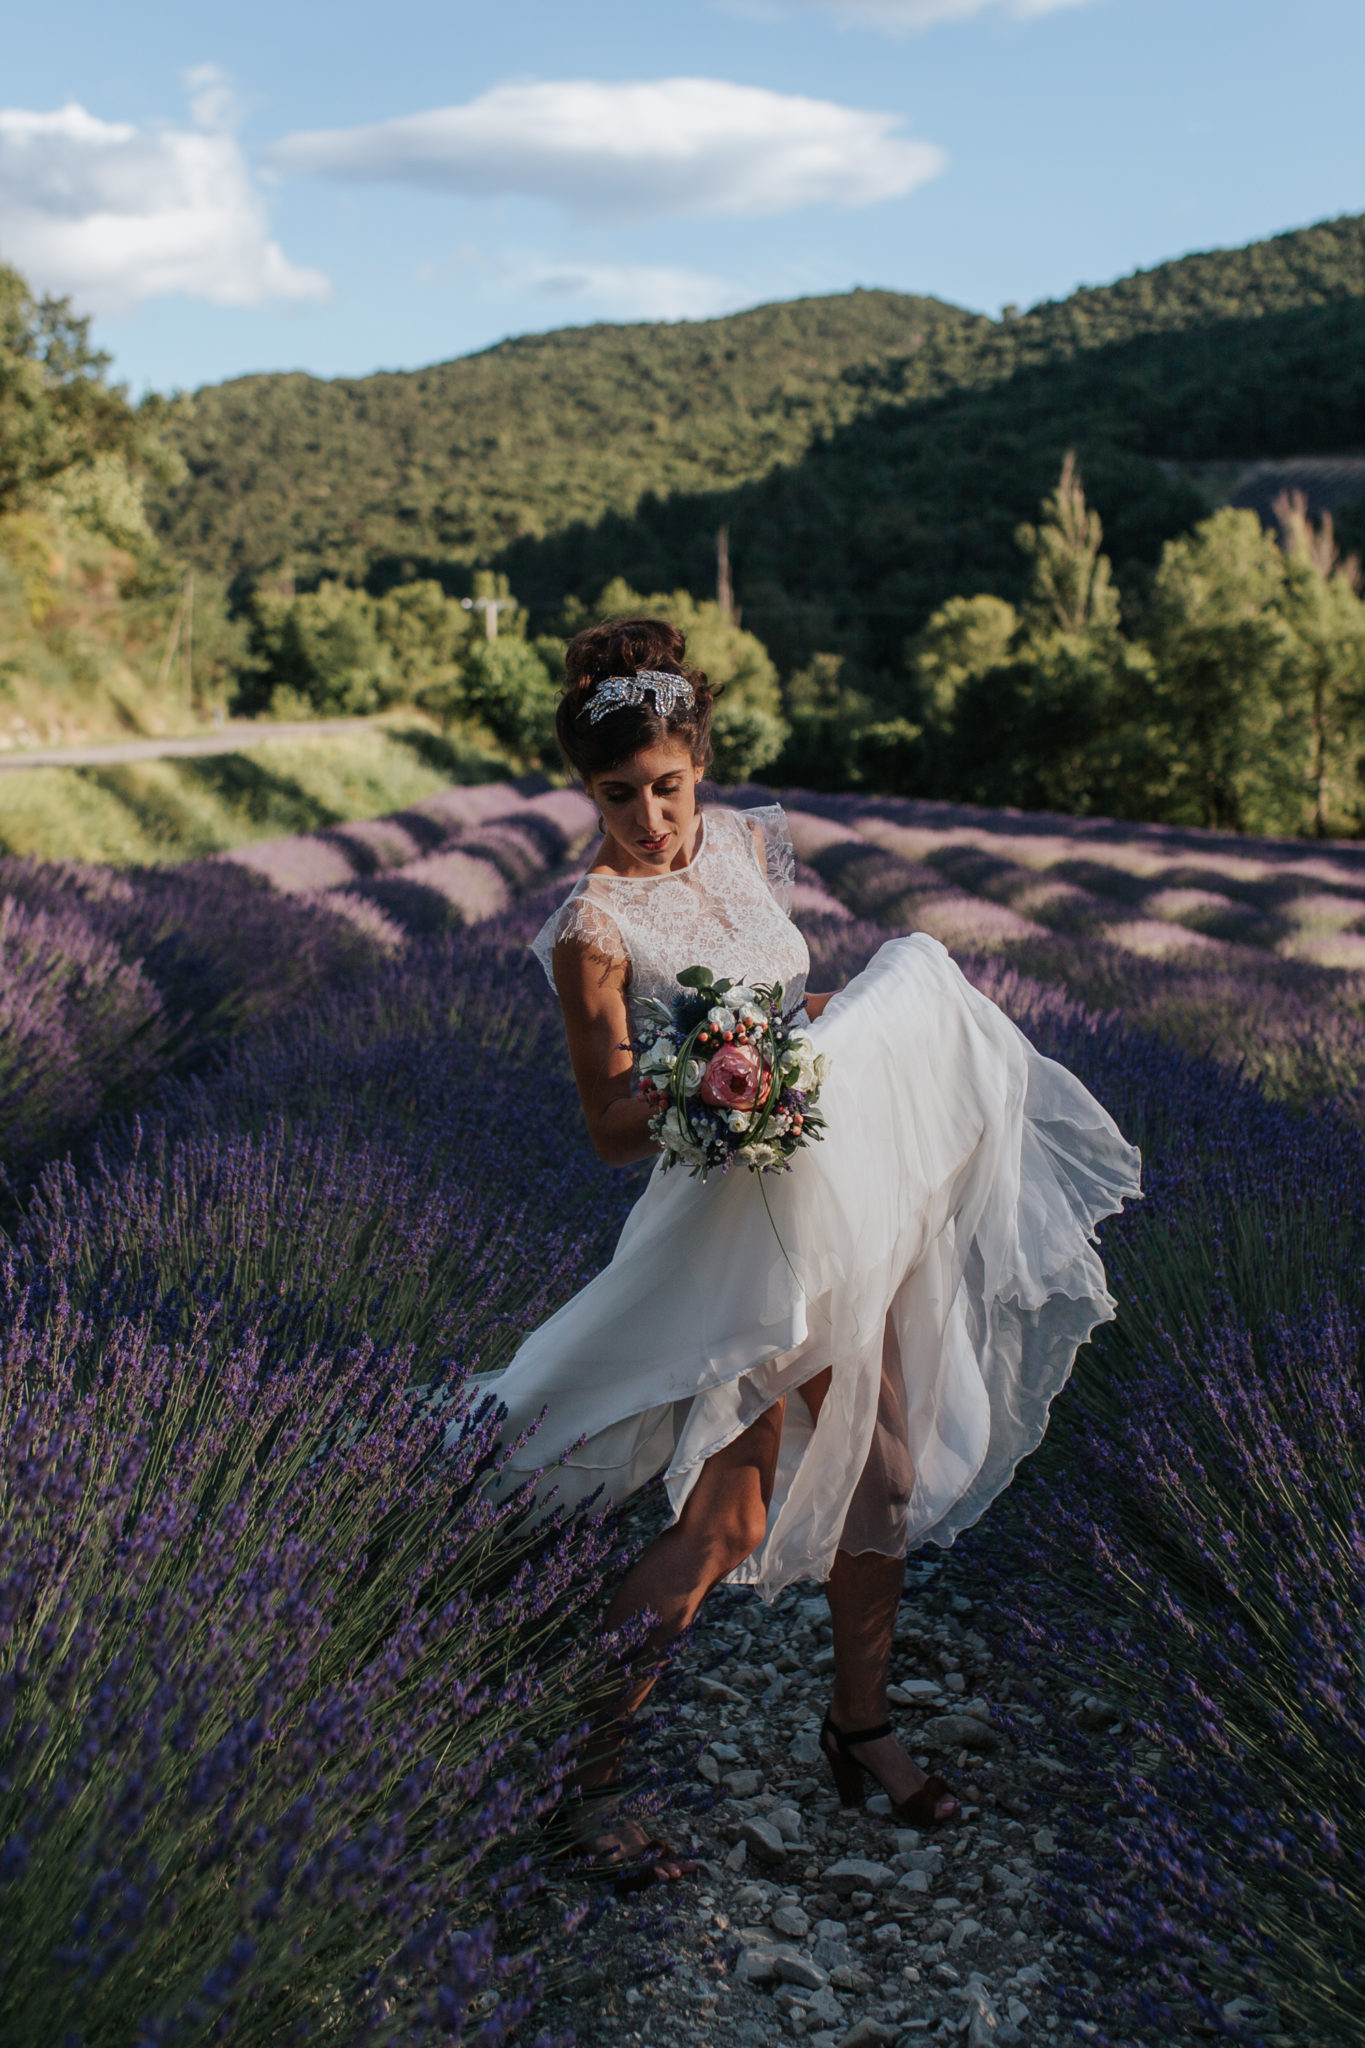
(224,739)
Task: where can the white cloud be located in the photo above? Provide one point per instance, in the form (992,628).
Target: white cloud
(638,291)
(663,146)
(623,291)
(900,16)
(112,214)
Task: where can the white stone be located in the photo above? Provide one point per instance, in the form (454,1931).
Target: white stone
(856,1874)
(793,1968)
(743,1784)
(763,1838)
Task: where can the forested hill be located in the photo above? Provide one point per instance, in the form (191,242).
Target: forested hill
(455,461)
(871,451)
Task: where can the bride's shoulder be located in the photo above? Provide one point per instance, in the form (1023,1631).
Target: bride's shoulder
(581,924)
(746,821)
(761,830)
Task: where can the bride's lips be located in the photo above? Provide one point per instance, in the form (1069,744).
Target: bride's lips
(653,845)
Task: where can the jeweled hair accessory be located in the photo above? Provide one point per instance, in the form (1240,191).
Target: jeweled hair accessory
(667,690)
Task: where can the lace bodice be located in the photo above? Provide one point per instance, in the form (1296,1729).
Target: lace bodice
(726,910)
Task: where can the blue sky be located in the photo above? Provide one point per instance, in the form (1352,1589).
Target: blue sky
(341,189)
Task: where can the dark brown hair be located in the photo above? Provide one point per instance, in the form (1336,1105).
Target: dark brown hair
(622,647)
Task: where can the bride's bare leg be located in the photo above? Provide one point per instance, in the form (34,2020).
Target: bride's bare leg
(864,1592)
(722,1522)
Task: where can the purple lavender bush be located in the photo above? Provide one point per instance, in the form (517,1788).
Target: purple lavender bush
(1219,1537)
(1190,1547)
(78,1022)
(280,1687)
(283,1690)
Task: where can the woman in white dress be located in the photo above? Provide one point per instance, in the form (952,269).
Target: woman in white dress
(856,1366)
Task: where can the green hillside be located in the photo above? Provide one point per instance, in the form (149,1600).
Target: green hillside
(452,463)
(872,452)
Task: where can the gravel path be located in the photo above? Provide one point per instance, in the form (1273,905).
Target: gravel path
(806,1921)
(809,1922)
(224,739)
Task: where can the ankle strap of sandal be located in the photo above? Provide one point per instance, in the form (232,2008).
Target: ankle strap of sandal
(849,1738)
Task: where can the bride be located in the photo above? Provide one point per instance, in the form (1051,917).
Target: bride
(856,1366)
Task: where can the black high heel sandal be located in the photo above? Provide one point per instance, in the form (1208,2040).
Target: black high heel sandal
(579,1821)
(918,1810)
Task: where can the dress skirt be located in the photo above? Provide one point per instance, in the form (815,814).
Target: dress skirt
(936,1250)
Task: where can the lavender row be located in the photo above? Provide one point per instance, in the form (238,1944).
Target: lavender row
(284,1689)
(1190,1546)
(1295,1023)
(108,977)
(373,1190)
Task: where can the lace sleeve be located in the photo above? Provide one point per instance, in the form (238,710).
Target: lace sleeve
(769,821)
(578,922)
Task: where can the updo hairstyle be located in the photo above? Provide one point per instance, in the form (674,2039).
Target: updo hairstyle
(622,647)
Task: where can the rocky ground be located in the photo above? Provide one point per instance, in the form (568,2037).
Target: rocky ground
(807,1921)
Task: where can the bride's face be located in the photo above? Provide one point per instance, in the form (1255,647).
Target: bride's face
(648,803)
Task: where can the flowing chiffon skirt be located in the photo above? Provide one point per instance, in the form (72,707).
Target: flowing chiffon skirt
(936,1250)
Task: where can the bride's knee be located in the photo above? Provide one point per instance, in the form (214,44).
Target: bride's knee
(738,1534)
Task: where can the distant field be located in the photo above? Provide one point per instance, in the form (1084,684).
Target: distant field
(174,810)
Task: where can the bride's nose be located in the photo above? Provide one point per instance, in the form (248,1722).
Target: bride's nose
(655,821)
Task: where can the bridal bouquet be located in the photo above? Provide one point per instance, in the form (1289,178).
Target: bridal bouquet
(728,1077)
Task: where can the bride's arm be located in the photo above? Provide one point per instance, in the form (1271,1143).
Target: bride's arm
(592,993)
(814,1004)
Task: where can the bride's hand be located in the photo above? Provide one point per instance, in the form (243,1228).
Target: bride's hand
(815,1004)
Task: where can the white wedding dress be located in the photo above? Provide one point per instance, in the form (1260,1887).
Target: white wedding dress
(936,1249)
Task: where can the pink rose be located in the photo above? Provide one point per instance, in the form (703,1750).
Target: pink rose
(733,1077)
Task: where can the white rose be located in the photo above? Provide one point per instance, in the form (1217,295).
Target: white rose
(721,1019)
(800,1062)
(679,1139)
(692,1076)
(739,1119)
(750,1016)
(660,1059)
(741,996)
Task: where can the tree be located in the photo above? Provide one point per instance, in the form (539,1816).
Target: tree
(1072,589)
(57,412)
(827,717)
(426,633)
(319,652)
(1321,602)
(966,638)
(507,687)
(1042,708)
(1227,678)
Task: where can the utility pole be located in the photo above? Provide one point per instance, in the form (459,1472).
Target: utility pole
(189,641)
(725,590)
(490,607)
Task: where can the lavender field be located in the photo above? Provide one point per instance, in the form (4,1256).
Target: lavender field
(291,1149)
